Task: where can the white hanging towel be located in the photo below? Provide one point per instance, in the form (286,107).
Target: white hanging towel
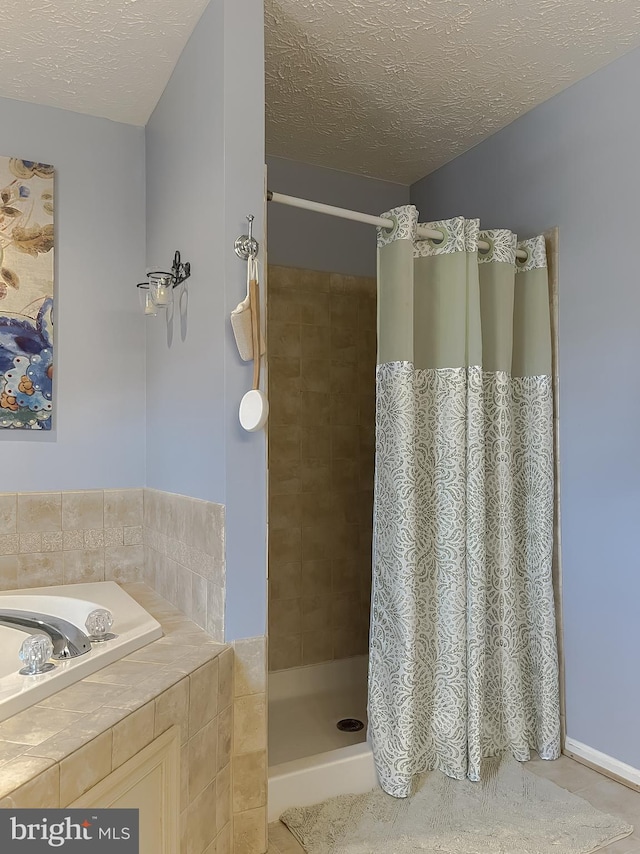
(241,318)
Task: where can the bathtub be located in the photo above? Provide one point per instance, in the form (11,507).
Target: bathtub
(133,626)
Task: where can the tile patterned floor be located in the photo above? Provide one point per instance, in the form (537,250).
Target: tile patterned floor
(603,793)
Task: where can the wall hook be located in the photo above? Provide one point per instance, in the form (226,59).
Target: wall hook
(246,246)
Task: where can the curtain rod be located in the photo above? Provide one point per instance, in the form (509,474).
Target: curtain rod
(422,232)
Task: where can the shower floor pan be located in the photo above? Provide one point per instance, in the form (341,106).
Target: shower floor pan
(309,757)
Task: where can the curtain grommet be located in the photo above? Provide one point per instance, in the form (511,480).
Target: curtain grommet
(441,242)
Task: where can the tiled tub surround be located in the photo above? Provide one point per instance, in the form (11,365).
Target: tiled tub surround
(184,555)
(173,542)
(70,537)
(55,751)
(249,761)
(322,357)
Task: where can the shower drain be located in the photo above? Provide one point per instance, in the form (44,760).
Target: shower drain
(350,725)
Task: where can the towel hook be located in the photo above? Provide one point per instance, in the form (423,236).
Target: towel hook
(246,246)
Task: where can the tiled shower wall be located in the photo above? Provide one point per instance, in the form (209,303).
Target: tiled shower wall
(322,356)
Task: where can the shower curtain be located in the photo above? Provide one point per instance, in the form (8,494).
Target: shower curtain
(463,656)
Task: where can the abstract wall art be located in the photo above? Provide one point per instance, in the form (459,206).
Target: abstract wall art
(26,294)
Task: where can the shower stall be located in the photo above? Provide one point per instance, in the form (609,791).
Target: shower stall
(321,328)
(463,645)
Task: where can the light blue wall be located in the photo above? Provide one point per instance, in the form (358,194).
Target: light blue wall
(185,211)
(573,162)
(315,241)
(99,423)
(205,172)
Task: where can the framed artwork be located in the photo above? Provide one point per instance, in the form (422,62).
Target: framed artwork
(26,294)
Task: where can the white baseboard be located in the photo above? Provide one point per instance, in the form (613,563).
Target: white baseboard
(601,762)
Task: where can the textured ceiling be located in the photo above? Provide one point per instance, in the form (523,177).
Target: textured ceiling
(395,89)
(103,57)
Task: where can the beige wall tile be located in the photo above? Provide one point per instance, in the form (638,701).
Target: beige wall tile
(316,613)
(314,308)
(184,599)
(9,568)
(297,279)
(29,543)
(284,476)
(284,340)
(42,792)
(285,652)
(250,666)
(316,409)
(35,570)
(39,511)
(83,565)
(344,310)
(132,734)
(122,507)
(285,544)
(93,538)
(52,541)
(285,579)
(82,510)
(82,697)
(122,672)
(201,820)
(223,797)
(72,540)
(184,776)
(124,563)
(84,768)
(284,445)
(319,646)
(199,601)
(317,542)
(172,708)
(225,736)
(21,768)
(37,724)
(215,611)
(225,678)
(316,578)
(321,466)
(316,442)
(132,535)
(203,758)
(250,831)
(9,544)
(8,512)
(249,724)
(203,703)
(284,511)
(249,781)
(315,475)
(223,841)
(285,617)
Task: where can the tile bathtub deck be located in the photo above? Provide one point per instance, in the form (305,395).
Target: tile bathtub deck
(39,737)
(601,792)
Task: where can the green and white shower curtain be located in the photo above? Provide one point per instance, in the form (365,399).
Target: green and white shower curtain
(463,654)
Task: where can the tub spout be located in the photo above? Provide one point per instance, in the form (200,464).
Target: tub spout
(68,640)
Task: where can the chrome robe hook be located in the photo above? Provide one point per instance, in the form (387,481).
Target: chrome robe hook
(246,246)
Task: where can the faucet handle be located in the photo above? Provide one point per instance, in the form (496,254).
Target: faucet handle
(98,624)
(35,652)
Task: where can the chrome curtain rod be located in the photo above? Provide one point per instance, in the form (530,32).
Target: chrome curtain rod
(422,232)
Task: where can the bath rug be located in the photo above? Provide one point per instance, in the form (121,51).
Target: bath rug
(511,811)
